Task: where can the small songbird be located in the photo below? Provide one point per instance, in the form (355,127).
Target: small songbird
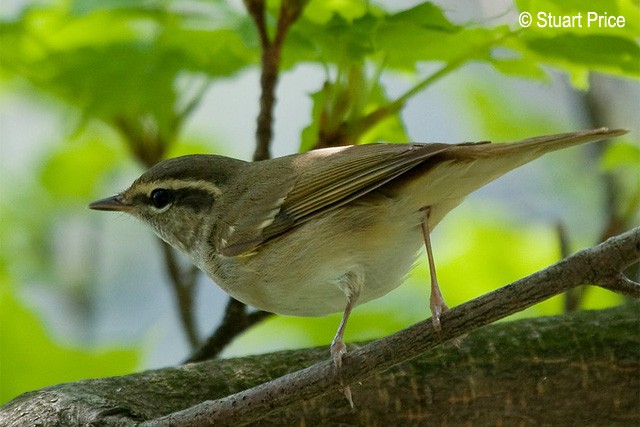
(322,231)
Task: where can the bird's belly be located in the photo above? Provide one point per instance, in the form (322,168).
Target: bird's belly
(293,277)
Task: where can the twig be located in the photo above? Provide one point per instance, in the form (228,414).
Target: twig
(573,296)
(236,320)
(596,113)
(600,265)
(290,10)
(183,285)
(615,222)
(145,143)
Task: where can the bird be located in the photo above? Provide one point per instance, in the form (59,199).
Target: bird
(322,231)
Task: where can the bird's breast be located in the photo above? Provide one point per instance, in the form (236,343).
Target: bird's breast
(299,272)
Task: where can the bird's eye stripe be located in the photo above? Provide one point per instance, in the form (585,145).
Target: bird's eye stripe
(195,199)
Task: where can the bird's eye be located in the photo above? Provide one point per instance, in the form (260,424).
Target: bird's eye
(161,198)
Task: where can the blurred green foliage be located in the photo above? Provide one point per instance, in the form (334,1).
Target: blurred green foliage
(31,359)
(129,74)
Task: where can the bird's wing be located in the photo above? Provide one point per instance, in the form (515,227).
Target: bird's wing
(299,187)
(312,183)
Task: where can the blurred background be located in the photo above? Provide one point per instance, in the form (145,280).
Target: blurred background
(88,87)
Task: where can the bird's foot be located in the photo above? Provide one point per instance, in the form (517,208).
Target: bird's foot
(437,306)
(339,349)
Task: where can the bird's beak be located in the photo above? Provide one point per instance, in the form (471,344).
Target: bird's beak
(114,203)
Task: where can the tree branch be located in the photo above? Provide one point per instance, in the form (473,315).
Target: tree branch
(597,265)
(496,373)
(616,221)
(183,281)
(149,148)
(290,10)
(577,369)
(236,320)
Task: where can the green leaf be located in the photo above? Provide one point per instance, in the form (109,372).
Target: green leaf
(583,46)
(513,59)
(520,68)
(123,63)
(421,33)
(342,109)
(389,129)
(431,45)
(322,11)
(426,15)
(621,154)
(309,134)
(611,54)
(73,170)
(582,24)
(337,41)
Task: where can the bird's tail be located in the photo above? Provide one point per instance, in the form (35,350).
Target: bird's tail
(461,169)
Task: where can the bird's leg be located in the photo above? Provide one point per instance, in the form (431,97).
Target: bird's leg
(338,347)
(436,301)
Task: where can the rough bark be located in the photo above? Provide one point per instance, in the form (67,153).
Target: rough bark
(577,369)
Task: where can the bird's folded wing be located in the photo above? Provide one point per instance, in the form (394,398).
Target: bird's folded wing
(292,190)
(322,180)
